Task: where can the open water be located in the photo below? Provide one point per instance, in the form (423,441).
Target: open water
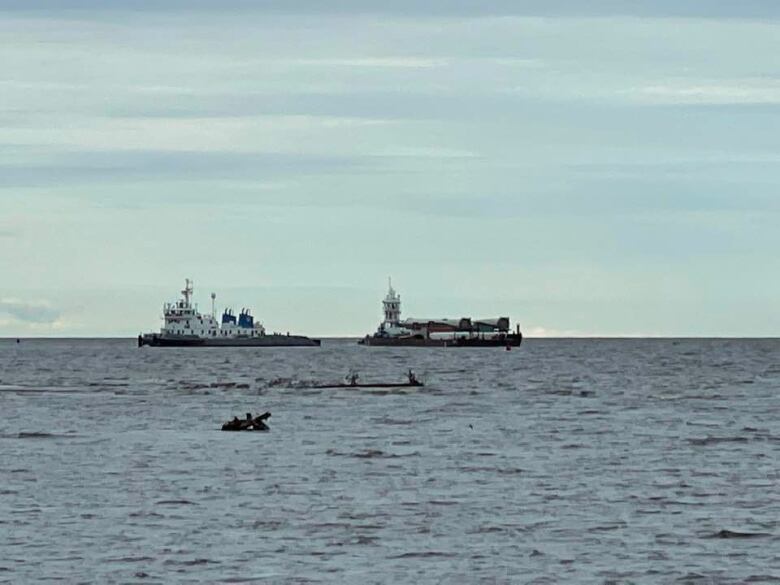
(563,461)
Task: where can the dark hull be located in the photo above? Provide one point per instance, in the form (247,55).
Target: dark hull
(155,340)
(509,340)
(401,385)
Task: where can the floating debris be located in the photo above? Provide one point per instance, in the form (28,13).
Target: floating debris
(248,424)
(352,382)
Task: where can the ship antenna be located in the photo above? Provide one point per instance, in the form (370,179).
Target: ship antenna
(213,306)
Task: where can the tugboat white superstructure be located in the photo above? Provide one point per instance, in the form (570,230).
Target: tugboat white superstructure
(184,326)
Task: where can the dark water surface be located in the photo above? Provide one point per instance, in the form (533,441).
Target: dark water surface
(577,461)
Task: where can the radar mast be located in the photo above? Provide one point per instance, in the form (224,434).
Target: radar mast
(187,293)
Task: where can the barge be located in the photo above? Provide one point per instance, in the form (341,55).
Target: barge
(462,332)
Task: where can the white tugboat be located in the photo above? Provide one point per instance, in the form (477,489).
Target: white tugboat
(184,326)
(462,332)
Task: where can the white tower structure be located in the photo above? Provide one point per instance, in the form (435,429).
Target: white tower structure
(392,306)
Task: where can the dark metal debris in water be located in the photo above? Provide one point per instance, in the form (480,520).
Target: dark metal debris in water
(248,424)
(352,382)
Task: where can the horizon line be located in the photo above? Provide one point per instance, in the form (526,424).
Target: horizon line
(357,337)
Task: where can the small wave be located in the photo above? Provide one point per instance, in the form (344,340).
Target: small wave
(367,454)
(130,560)
(699,473)
(108,384)
(250,579)
(607,527)
(192,562)
(193,386)
(268,525)
(370,454)
(703,423)
(488,530)
(40,389)
(736,534)
(39,435)
(329,525)
(392,421)
(281,383)
(762,579)
(476,469)
(145,515)
(424,555)
(175,503)
(707,397)
(717,440)
(693,579)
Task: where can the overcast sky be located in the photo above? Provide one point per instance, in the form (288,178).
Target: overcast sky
(587,168)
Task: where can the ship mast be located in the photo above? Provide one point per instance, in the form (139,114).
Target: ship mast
(187,293)
(213,306)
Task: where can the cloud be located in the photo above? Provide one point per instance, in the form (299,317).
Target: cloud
(109,166)
(752,91)
(415,8)
(552,333)
(30,312)
(391,62)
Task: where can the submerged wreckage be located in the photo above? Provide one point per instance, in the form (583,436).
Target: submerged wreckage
(248,424)
(352,382)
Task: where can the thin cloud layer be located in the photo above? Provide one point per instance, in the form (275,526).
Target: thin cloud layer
(430,8)
(617,158)
(29,312)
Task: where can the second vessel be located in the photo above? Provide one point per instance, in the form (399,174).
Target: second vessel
(462,332)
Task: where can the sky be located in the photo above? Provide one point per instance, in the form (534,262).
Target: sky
(596,168)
